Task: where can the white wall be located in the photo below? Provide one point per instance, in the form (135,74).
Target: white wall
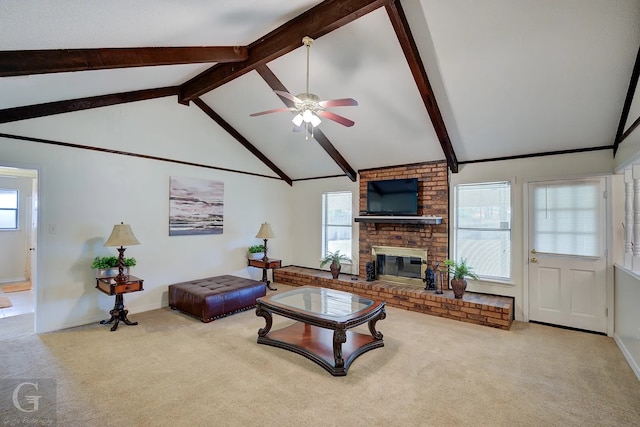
(14,243)
(306,221)
(524,171)
(84,193)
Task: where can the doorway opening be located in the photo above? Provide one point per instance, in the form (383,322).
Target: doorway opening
(18,228)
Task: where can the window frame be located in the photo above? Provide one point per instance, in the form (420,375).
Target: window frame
(15,210)
(325,224)
(456,228)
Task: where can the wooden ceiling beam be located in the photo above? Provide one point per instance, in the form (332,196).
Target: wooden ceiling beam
(631,128)
(315,22)
(241,139)
(59,107)
(275,84)
(403,32)
(633,83)
(25,62)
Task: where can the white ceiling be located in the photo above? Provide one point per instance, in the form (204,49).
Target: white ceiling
(510,77)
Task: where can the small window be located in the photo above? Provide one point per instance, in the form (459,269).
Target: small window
(483,228)
(336,222)
(8,209)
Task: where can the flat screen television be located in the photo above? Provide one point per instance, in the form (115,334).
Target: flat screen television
(392,197)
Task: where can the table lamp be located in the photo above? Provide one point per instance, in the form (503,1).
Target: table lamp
(121,236)
(265,233)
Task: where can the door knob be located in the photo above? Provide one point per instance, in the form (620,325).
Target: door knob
(534,260)
(533,251)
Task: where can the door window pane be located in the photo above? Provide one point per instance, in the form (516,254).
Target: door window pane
(566,218)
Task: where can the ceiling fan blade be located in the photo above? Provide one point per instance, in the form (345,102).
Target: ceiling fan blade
(344,102)
(287,95)
(336,118)
(277,110)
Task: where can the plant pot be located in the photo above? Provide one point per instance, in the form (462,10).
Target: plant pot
(335,270)
(256,255)
(458,286)
(110,272)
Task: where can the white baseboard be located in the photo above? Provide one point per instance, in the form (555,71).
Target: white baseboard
(14,279)
(632,358)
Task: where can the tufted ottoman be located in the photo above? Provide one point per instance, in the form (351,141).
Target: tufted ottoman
(213,297)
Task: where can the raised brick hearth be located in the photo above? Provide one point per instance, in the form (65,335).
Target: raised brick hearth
(487,310)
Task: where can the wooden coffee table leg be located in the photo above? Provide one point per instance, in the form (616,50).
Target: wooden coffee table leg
(260,311)
(339,338)
(372,325)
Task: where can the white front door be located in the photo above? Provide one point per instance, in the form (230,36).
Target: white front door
(567,262)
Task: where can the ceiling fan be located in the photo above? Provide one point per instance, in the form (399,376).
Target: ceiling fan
(309,106)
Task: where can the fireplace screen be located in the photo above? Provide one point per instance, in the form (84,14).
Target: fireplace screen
(402,266)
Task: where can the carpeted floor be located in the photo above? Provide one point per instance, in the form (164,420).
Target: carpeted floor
(174,370)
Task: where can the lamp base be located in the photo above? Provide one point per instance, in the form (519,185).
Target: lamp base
(121,277)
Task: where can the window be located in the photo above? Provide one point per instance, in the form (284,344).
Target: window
(8,209)
(567,218)
(336,222)
(482,233)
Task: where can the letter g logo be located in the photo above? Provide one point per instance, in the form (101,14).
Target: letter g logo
(30,399)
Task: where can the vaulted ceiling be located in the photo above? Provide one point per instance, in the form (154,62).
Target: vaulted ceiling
(461,80)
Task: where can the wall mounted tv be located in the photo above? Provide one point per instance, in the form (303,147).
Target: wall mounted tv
(392,197)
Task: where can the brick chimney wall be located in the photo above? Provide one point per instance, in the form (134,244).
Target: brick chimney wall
(433,199)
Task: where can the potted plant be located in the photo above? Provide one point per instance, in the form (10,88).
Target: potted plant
(459,270)
(256,251)
(334,258)
(107,266)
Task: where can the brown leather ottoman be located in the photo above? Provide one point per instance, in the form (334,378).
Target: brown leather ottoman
(214,297)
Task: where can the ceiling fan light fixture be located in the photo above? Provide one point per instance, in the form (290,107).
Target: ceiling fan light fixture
(307,115)
(315,120)
(297,119)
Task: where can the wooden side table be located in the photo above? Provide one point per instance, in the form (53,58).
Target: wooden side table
(109,286)
(265,265)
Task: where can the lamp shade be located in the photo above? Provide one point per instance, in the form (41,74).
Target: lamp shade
(121,236)
(265,232)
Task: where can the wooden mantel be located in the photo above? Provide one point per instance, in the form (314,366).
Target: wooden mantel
(400,219)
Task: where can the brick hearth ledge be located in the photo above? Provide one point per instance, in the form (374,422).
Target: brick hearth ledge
(481,309)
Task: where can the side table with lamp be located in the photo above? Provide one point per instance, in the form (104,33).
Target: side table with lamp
(265,263)
(122,236)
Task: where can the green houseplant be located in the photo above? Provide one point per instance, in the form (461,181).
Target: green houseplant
(107,266)
(256,251)
(334,258)
(459,270)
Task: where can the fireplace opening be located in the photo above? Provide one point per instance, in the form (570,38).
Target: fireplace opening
(401,266)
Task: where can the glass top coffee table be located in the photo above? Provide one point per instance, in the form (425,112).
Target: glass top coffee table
(323,318)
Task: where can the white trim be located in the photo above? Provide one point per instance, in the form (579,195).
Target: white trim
(35,279)
(627,354)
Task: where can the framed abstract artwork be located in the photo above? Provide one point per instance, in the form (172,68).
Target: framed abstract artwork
(196,206)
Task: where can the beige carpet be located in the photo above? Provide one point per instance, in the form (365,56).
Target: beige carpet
(174,370)
(16,287)
(5,302)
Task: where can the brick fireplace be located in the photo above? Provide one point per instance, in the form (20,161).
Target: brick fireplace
(427,239)
(433,200)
